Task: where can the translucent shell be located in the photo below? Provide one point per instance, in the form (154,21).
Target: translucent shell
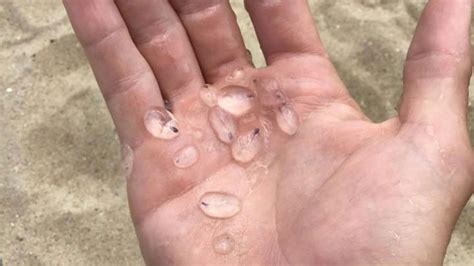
(220,205)
(208,95)
(161,124)
(223,244)
(270,93)
(247,146)
(223,124)
(186,157)
(236,100)
(287,120)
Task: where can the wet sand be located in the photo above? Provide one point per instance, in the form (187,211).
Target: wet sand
(62,200)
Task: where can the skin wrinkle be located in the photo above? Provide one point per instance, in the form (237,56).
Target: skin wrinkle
(429,163)
(407,118)
(202,14)
(458,57)
(414,150)
(329,176)
(191,7)
(182,86)
(125,85)
(98,41)
(431,97)
(444,69)
(318,106)
(413,147)
(294,43)
(283,56)
(357,186)
(323,97)
(229,39)
(160,38)
(361,226)
(316,84)
(227,66)
(182,96)
(417,147)
(315,192)
(163,41)
(156,207)
(169,200)
(268,3)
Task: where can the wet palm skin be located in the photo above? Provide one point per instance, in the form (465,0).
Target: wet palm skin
(229,164)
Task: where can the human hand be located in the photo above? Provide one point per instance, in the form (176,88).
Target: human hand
(297,174)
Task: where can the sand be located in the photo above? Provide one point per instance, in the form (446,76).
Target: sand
(62,199)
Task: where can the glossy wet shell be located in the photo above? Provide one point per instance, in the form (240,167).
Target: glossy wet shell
(219,205)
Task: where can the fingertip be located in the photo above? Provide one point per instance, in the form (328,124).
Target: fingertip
(439,63)
(444,26)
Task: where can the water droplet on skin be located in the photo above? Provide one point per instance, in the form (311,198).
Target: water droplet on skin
(186,157)
(219,205)
(223,244)
(287,120)
(127,160)
(161,124)
(247,146)
(236,100)
(395,235)
(208,95)
(223,124)
(238,74)
(198,134)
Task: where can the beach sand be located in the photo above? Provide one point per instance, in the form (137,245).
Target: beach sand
(62,198)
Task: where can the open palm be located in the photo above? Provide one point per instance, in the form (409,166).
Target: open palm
(278,165)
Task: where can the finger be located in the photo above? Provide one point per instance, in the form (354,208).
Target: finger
(284,28)
(126,80)
(215,36)
(161,38)
(438,66)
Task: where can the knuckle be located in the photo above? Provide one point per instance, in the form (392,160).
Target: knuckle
(156,33)
(124,85)
(194,6)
